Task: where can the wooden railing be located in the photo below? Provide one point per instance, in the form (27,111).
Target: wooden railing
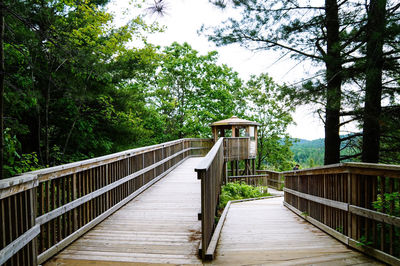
(236,149)
(42,212)
(274,180)
(211,172)
(357,203)
(268,178)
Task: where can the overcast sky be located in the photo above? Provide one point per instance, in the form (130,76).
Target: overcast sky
(183,20)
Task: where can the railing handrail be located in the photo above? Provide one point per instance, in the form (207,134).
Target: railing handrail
(342,200)
(391,170)
(268,171)
(46,210)
(206,162)
(32,175)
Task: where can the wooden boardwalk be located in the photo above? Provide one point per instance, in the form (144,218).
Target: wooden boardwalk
(159,226)
(266,232)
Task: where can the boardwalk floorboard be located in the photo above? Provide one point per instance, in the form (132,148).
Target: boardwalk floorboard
(159,226)
(265,232)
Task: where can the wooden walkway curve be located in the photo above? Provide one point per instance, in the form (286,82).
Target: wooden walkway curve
(159,226)
(264,232)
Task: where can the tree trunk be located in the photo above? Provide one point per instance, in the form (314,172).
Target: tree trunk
(2,77)
(46,122)
(373,86)
(334,82)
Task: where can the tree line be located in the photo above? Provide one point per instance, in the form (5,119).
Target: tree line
(75,88)
(355,44)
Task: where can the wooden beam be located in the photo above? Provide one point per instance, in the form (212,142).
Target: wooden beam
(331,203)
(209,255)
(71,168)
(14,185)
(377,216)
(206,162)
(73,204)
(71,238)
(12,248)
(385,257)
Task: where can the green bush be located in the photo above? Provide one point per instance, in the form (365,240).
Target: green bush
(385,204)
(237,191)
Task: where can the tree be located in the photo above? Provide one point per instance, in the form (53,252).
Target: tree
(373,85)
(61,64)
(337,35)
(191,91)
(267,106)
(2,76)
(300,30)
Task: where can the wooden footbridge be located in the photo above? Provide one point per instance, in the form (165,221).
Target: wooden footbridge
(157,205)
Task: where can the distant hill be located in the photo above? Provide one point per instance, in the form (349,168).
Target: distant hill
(308,153)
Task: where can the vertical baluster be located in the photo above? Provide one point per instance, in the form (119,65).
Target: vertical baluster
(350,191)
(63,202)
(59,204)
(53,206)
(41,212)
(48,236)
(107,176)
(382,190)
(391,228)
(33,207)
(374,197)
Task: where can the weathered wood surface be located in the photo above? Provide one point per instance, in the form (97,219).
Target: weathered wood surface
(355,202)
(211,172)
(159,226)
(265,232)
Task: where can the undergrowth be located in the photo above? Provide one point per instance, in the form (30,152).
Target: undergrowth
(237,191)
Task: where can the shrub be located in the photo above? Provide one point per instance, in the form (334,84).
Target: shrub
(237,191)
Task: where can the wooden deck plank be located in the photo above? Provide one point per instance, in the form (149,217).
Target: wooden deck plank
(159,226)
(265,232)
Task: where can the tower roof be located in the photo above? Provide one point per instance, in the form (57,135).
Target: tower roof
(234,120)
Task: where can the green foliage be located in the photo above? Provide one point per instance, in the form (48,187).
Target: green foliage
(237,191)
(70,73)
(272,110)
(308,153)
(363,241)
(340,229)
(389,204)
(74,90)
(191,91)
(17,163)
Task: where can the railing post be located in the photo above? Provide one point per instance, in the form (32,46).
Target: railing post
(349,190)
(154,161)
(74,197)
(224,171)
(143,165)
(33,206)
(108,193)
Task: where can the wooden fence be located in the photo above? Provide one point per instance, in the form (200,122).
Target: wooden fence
(236,149)
(211,172)
(274,180)
(357,203)
(264,178)
(42,212)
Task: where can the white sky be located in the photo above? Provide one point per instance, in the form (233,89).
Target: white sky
(183,20)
